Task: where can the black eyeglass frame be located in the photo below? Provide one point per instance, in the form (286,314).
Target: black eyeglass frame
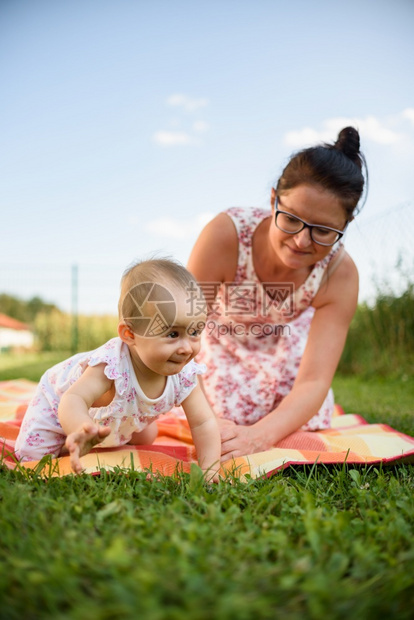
(307,225)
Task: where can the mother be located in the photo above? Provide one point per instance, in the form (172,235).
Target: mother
(282,292)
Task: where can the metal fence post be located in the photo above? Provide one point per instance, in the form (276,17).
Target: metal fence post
(75,316)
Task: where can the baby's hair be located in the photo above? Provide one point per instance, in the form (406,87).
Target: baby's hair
(166,272)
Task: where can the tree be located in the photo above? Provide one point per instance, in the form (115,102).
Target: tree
(25,311)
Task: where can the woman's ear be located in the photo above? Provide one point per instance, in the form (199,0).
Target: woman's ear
(273,198)
(125,333)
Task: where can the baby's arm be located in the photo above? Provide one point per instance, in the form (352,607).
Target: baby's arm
(145,437)
(204,430)
(73,412)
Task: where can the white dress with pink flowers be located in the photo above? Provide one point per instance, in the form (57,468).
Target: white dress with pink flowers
(254,342)
(129,412)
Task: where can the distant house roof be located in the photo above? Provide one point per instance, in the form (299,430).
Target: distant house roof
(7,321)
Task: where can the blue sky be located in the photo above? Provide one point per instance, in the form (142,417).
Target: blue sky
(127,124)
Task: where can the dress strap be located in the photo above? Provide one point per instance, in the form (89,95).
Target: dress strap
(334,263)
(246,220)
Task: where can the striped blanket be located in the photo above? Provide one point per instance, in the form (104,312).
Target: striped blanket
(350,439)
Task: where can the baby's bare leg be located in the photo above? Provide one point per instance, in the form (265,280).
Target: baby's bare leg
(82,441)
(145,437)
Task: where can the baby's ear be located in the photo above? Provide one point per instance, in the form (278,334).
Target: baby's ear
(125,333)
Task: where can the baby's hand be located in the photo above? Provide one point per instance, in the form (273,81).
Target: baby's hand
(212,474)
(82,441)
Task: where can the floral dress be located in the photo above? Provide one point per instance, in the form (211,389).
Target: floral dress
(129,412)
(256,335)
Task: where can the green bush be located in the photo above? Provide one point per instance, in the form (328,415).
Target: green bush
(55,331)
(23,310)
(381,338)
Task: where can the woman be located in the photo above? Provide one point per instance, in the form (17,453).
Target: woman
(282,292)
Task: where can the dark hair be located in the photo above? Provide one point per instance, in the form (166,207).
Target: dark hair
(338,168)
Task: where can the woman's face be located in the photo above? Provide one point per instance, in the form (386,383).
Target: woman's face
(316,206)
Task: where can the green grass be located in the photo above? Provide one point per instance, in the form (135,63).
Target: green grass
(311,544)
(378,400)
(380,340)
(308,543)
(28,365)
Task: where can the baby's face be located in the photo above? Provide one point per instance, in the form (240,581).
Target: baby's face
(173,334)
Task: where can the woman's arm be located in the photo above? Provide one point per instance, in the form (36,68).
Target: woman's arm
(214,255)
(204,430)
(335,306)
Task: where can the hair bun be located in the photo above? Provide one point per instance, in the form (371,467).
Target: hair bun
(348,143)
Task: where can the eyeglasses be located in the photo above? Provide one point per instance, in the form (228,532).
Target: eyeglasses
(291,224)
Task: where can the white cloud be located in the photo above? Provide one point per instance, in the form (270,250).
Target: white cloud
(171,228)
(409,113)
(200,126)
(172,138)
(370,128)
(304,137)
(190,105)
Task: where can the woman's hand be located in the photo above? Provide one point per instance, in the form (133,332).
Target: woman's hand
(238,440)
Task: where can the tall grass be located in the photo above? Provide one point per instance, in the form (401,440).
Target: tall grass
(55,331)
(381,337)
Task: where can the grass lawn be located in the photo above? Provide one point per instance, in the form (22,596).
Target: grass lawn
(381,400)
(315,544)
(309,543)
(28,365)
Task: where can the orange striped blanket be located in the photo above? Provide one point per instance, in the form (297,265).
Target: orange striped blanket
(351,439)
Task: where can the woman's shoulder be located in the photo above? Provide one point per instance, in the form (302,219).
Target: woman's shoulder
(342,263)
(341,282)
(215,254)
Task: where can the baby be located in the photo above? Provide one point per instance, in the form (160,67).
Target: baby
(112,396)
